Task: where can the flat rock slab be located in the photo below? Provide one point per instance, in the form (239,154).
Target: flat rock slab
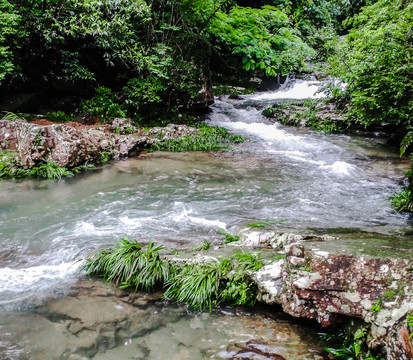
(97,321)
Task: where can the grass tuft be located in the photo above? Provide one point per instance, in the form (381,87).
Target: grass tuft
(129,265)
(200,285)
(208,139)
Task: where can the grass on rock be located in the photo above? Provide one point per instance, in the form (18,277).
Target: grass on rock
(201,285)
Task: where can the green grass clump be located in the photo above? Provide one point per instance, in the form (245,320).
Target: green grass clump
(208,139)
(9,168)
(49,170)
(227,237)
(200,285)
(207,285)
(129,265)
(403,201)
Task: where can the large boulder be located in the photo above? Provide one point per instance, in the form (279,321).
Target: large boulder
(70,146)
(329,286)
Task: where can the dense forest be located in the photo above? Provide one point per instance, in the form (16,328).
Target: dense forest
(151,60)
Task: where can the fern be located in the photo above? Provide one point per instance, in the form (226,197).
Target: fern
(407,141)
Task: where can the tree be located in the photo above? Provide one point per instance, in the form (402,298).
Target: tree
(376,61)
(9,21)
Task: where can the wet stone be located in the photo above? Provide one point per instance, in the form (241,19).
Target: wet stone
(88,325)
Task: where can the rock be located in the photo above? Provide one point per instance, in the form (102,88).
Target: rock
(277,241)
(98,321)
(330,287)
(235,97)
(70,146)
(123,126)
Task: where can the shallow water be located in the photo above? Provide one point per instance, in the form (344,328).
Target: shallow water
(305,178)
(96,322)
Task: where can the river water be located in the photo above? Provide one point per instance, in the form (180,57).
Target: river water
(302,178)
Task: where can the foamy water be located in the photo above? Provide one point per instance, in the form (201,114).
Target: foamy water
(301,89)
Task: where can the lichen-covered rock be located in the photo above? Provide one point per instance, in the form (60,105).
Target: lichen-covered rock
(329,286)
(70,146)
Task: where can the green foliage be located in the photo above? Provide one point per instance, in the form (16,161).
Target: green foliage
(377,306)
(126,130)
(375,61)
(196,285)
(129,265)
(227,237)
(202,247)
(60,116)
(349,347)
(208,139)
(104,157)
(407,140)
(49,170)
(387,296)
(326,126)
(9,26)
(207,285)
(410,324)
(200,285)
(402,201)
(102,105)
(9,168)
(10,116)
(263,37)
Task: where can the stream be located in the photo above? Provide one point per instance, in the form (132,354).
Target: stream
(295,176)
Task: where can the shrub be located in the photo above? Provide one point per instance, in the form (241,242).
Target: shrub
(102,105)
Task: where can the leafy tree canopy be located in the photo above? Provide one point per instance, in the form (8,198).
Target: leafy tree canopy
(376,61)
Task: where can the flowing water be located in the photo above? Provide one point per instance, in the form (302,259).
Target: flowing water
(303,178)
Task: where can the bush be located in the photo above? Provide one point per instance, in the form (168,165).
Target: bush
(372,61)
(102,105)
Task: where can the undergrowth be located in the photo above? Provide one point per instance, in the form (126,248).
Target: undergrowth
(349,347)
(200,285)
(9,168)
(208,139)
(304,113)
(403,201)
(227,237)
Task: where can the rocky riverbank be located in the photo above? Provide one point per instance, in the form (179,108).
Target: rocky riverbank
(71,145)
(318,280)
(331,279)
